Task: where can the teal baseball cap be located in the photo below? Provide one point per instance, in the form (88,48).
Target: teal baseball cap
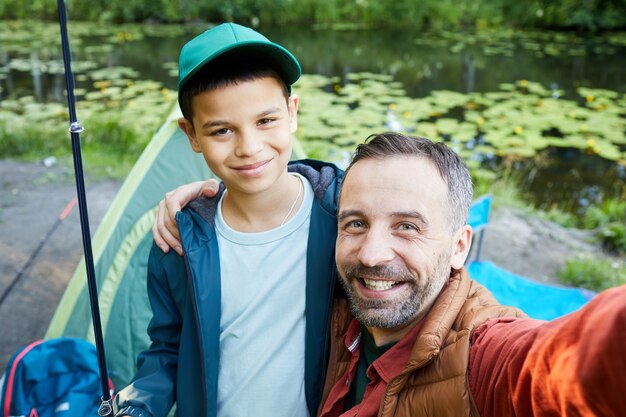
(233,39)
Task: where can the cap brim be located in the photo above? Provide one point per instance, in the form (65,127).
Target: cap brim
(279,58)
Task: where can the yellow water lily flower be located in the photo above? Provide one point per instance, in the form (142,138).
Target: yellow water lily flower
(102,85)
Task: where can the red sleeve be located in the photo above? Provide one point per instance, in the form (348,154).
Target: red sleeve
(571,366)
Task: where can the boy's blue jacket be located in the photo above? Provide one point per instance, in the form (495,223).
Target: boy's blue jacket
(182,362)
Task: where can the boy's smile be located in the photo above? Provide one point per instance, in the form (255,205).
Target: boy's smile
(244,132)
(253,170)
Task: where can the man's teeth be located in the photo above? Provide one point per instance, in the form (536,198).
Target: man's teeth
(378,285)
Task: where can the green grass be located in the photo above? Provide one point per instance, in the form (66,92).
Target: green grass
(594,274)
(607,219)
(506,193)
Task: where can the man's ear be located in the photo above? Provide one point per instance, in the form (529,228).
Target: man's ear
(187,127)
(462,244)
(292,106)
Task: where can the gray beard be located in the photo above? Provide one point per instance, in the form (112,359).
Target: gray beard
(385,313)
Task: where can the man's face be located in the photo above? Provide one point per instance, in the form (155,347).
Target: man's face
(394,247)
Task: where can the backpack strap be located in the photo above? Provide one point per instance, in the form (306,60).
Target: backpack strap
(11,377)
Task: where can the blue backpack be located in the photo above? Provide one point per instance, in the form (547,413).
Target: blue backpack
(52,378)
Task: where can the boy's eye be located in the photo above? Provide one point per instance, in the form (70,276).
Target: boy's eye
(220,132)
(265,121)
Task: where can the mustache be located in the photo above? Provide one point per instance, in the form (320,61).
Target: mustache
(390,272)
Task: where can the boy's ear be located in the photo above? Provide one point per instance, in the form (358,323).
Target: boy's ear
(292,105)
(187,127)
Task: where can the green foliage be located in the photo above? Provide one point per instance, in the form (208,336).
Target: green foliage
(613,236)
(26,129)
(438,14)
(592,273)
(609,220)
(608,212)
(561,217)
(504,188)
(26,140)
(119,120)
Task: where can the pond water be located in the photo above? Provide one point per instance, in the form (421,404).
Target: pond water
(420,64)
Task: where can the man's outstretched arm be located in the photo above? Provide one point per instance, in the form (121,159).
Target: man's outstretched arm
(165,230)
(571,366)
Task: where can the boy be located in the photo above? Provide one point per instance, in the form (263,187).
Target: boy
(240,322)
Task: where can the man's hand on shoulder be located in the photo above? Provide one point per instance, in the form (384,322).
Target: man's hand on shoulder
(165,230)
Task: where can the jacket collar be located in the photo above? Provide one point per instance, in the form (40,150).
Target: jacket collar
(440,318)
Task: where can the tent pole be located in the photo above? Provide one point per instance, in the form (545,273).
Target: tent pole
(75,128)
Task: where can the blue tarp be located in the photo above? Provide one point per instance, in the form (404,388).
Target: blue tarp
(539,301)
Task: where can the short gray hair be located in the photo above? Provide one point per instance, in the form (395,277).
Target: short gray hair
(451,167)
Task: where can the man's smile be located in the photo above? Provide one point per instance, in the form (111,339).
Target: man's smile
(369,288)
(379,285)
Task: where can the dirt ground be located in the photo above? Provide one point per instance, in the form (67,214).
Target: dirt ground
(33,197)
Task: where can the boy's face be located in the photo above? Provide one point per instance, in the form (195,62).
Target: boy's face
(244,132)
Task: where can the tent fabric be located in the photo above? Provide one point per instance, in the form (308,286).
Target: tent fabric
(122,243)
(120,251)
(539,301)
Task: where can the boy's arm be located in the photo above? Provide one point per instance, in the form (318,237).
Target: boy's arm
(165,230)
(152,391)
(573,365)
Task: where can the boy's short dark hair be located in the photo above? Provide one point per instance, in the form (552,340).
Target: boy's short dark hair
(225,70)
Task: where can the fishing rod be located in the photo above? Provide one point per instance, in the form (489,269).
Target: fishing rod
(75,129)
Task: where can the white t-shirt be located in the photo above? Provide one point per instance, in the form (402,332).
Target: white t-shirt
(262,327)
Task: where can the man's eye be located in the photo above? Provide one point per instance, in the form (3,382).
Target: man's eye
(354,224)
(408,227)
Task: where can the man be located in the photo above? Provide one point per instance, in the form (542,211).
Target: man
(417,337)
(424,338)
(399,243)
